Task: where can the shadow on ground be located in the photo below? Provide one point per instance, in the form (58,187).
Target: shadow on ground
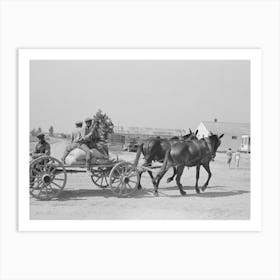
(82,194)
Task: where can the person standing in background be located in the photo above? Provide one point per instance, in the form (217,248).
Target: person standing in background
(237,158)
(229,157)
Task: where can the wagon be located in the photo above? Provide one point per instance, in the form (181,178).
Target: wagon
(48,177)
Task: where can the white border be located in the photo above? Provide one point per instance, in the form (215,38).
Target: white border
(255,222)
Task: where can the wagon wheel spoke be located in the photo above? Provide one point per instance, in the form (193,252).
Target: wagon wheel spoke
(124,169)
(56,185)
(106,180)
(51,189)
(120,174)
(118,186)
(98,179)
(122,188)
(102,179)
(38,166)
(45,187)
(58,179)
(96,174)
(132,174)
(54,191)
(116,180)
(38,181)
(33,176)
(40,192)
(50,166)
(34,171)
(53,170)
(133,181)
(96,182)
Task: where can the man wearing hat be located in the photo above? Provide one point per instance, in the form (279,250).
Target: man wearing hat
(76,137)
(42,147)
(87,141)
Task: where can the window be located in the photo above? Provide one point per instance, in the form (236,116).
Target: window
(234,137)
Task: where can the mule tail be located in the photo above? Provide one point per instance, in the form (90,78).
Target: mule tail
(139,151)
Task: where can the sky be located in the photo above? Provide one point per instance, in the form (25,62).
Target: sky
(163,94)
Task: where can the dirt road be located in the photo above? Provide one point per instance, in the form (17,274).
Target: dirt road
(227,197)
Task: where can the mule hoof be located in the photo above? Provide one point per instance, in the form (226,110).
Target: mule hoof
(155,193)
(197,190)
(183,193)
(203,188)
(139,187)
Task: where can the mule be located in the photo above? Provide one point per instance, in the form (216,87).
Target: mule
(190,153)
(155,148)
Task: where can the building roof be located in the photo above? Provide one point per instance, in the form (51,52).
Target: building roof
(149,130)
(227,128)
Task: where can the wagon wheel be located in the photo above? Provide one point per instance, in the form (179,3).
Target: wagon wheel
(124,179)
(47,178)
(99,176)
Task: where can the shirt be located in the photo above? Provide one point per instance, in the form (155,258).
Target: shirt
(90,134)
(76,135)
(42,148)
(229,153)
(237,155)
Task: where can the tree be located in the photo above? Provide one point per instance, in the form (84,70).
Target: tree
(103,124)
(51,130)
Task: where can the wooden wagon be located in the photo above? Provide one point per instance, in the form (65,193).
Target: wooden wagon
(48,177)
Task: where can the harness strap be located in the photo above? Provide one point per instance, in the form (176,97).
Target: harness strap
(209,145)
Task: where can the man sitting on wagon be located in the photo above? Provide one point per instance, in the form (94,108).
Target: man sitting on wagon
(41,148)
(76,137)
(88,140)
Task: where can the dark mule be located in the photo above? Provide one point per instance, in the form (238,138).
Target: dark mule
(190,153)
(155,148)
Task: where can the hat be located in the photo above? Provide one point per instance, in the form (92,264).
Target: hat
(88,120)
(41,135)
(78,122)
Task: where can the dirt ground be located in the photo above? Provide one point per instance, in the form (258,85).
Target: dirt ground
(226,198)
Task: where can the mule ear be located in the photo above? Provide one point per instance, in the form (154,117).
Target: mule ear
(190,131)
(221,136)
(196,132)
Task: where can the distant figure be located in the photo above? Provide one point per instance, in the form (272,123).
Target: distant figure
(237,158)
(76,137)
(41,148)
(229,157)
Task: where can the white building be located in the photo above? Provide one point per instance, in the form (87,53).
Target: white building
(236,135)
